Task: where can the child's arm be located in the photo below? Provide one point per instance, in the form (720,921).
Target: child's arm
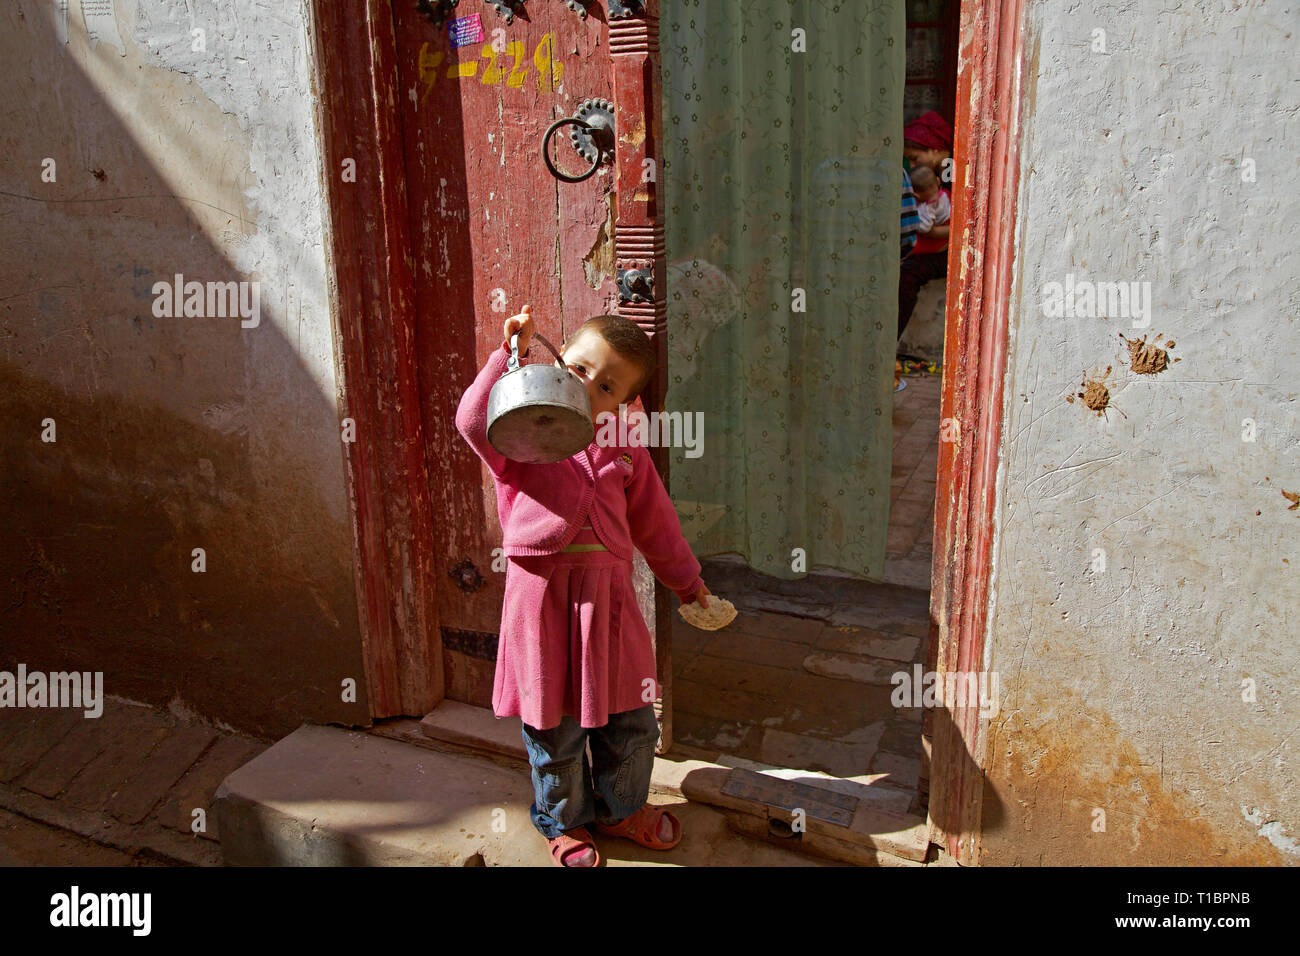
(471,416)
(656,530)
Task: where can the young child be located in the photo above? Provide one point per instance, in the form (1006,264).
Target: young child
(575,659)
(933,205)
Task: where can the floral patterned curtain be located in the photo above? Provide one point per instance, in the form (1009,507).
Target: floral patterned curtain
(783,158)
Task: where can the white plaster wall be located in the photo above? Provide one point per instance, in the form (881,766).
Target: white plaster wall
(1122,689)
(224,134)
(255,71)
(200,158)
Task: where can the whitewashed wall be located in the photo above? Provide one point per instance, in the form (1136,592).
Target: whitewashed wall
(1169,157)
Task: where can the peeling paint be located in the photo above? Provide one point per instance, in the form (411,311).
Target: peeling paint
(1272,831)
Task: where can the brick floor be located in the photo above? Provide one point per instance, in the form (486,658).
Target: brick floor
(913,478)
(135,772)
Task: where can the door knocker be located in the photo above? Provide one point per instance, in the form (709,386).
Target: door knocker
(592,137)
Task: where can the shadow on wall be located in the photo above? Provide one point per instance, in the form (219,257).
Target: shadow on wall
(171,433)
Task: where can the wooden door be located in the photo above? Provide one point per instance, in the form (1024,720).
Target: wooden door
(491,229)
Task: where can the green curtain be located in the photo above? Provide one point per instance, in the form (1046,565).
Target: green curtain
(782,172)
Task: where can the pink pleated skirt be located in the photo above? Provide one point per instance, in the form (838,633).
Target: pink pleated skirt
(573,640)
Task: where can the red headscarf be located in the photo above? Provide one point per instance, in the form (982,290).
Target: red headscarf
(929,131)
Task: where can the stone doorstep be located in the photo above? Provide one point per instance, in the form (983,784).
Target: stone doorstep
(326,796)
(881,821)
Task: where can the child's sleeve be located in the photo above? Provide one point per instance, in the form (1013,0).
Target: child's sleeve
(656,530)
(471,416)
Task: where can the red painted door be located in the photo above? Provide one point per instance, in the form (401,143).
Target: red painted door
(492,229)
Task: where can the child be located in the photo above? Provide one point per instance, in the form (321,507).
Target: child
(933,204)
(575,661)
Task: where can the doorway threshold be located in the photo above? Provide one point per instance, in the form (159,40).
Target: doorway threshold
(864,820)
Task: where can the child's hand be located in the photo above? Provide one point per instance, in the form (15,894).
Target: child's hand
(523,324)
(699,596)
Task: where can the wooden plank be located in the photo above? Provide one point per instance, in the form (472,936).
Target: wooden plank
(877,820)
(789,796)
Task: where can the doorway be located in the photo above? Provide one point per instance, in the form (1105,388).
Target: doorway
(397,512)
(806,677)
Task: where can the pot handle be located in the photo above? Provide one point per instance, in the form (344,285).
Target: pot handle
(512,363)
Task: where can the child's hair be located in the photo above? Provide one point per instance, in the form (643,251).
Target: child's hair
(923,177)
(627,339)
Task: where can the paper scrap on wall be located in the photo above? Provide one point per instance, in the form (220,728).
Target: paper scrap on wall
(101,24)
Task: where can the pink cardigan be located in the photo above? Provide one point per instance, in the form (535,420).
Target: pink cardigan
(542,507)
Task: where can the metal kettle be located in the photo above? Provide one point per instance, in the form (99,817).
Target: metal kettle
(538,413)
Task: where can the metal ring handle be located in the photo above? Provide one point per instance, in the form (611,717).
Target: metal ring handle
(546,151)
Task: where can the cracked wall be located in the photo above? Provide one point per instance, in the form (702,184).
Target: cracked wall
(1145,567)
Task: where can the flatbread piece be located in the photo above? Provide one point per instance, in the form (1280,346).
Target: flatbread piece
(719,613)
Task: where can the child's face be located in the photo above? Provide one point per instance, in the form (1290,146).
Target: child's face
(609,377)
(927,192)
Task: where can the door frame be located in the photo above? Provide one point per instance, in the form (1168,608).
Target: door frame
(372,301)
(986,180)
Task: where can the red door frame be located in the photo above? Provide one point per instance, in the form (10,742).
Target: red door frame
(373,296)
(975,356)
(373,302)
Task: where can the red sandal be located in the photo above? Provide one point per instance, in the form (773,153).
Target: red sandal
(643,827)
(574,839)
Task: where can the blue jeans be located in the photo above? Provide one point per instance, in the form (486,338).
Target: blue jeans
(569,791)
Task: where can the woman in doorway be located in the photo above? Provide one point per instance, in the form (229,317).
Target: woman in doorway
(927,141)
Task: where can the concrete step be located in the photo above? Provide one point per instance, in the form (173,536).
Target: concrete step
(324,796)
(853,819)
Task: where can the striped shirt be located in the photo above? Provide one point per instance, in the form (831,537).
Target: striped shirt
(910,224)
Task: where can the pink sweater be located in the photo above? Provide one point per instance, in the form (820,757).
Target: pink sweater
(543,506)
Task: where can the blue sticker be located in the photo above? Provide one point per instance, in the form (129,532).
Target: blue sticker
(465,30)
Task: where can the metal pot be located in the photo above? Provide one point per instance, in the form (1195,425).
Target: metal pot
(538,413)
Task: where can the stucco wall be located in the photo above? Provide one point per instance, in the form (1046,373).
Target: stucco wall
(173,433)
(1122,688)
